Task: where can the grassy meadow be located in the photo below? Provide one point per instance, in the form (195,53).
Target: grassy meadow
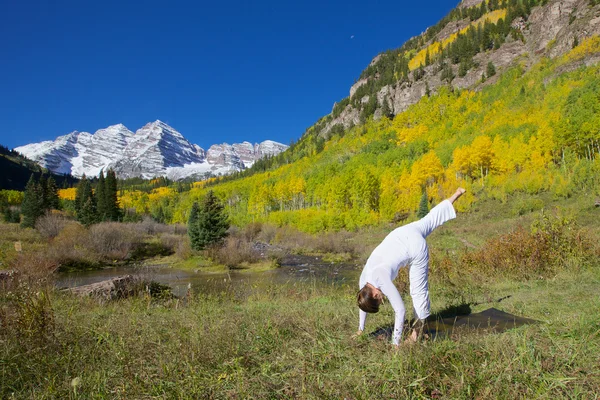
(295,340)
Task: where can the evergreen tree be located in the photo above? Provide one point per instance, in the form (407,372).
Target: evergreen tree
(490,70)
(463,68)
(423,205)
(81,193)
(193,226)
(386,110)
(85,203)
(87,214)
(32,205)
(52,194)
(112,202)
(101,199)
(211,224)
(447,74)
(43,185)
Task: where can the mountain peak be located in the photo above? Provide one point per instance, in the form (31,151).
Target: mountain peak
(156,149)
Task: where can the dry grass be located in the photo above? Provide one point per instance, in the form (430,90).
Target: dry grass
(50,225)
(234,251)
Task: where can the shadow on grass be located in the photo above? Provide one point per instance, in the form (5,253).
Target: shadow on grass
(458,316)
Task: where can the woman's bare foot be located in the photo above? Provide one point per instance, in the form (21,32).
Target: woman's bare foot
(412,338)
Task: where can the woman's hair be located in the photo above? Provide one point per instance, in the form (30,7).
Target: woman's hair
(367,301)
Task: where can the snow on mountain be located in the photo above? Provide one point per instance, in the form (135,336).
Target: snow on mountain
(154,150)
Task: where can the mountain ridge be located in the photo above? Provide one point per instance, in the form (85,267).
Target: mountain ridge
(156,149)
(534,30)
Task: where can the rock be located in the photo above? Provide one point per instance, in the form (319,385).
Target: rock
(358,84)
(469,3)
(7,275)
(119,287)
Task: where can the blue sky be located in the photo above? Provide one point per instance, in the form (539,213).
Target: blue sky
(216,71)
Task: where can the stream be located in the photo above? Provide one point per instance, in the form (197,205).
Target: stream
(294,269)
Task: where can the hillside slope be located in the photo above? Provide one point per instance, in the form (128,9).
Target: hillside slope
(529,132)
(528,126)
(16,171)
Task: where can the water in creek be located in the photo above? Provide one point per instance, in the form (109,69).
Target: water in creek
(294,269)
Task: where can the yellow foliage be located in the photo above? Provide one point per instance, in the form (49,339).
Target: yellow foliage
(427,170)
(586,48)
(67,194)
(409,134)
(436,47)
(160,192)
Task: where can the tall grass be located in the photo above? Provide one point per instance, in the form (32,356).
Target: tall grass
(294,341)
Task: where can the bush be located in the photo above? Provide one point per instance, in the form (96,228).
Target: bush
(252,231)
(184,249)
(113,240)
(50,225)
(552,243)
(524,206)
(233,252)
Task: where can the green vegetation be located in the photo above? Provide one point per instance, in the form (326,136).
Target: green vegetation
(295,340)
(39,197)
(423,206)
(102,205)
(529,133)
(208,224)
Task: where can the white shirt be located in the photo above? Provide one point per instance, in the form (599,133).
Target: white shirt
(405,246)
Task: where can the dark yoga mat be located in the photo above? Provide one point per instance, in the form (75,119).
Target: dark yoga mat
(490,320)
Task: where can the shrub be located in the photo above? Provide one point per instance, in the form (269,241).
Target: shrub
(50,225)
(171,242)
(233,252)
(34,267)
(552,243)
(524,206)
(184,249)
(252,231)
(113,240)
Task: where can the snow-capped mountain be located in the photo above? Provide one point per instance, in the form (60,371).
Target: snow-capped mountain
(153,150)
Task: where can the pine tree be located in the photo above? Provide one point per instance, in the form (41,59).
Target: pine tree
(490,70)
(386,110)
(208,224)
(112,202)
(43,184)
(423,206)
(193,227)
(85,203)
(32,205)
(52,194)
(101,199)
(463,68)
(87,214)
(81,192)
(447,74)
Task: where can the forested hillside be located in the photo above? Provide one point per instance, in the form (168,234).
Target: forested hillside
(16,171)
(534,130)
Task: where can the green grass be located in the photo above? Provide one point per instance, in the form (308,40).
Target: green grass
(295,341)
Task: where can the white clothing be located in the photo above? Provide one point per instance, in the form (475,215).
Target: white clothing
(405,246)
